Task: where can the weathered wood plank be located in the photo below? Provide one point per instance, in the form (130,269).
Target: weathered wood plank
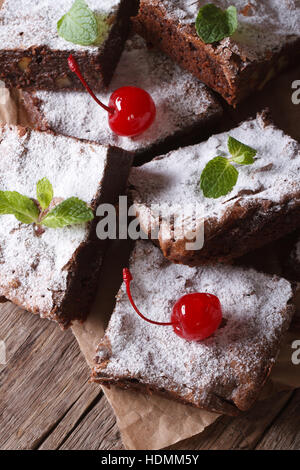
(243,432)
(98,430)
(44,376)
(285,430)
(46,402)
(74,415)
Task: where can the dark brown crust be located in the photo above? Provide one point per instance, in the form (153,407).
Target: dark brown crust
(224,71)
(228,399)
(243,228)
(186,136)
(48,69)
(85,265)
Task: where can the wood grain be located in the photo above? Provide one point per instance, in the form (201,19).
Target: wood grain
(241,433)
(285,430)
(97,431)
(44,377)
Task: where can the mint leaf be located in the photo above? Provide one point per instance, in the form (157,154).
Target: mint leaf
(44,192)
(241,153)
(22,207)
(79,25)
(213,24)
(69,212)
(218,178)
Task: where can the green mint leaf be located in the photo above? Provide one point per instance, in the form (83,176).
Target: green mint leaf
(79,25)
(213,24)
(44,192)
(69,212)
(22,207)
(218,178)
(241,153)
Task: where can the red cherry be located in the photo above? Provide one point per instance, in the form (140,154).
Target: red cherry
(135,111)
(131,110)
(195,317)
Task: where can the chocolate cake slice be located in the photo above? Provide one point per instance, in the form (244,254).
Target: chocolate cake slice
(263,206)
(55,273)
(187,112)
(266,41)
(223,373)
(34,56)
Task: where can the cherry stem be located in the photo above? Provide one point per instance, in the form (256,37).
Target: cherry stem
(73,66)
(127,277)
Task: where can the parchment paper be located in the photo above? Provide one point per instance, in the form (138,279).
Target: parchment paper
(151,422)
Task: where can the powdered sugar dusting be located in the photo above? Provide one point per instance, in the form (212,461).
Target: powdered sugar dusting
(32,267)
(253,306)
(181,101)
(173,180)
(263,25)
(27,23)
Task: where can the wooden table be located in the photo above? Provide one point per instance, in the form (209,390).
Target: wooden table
(46,401)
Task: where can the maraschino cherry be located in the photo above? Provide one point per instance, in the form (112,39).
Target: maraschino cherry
(131,110)
(194,317)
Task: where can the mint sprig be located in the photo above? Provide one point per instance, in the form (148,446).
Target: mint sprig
(69,212)
(44,192)
(219,175)
(213,24)
(218,178)
(79,25)
(22,207)
(241,153)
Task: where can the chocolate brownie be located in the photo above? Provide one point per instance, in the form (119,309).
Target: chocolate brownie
(266,41)
(263,206)
(55,274)
(187,112)
(34,56)
(224,373)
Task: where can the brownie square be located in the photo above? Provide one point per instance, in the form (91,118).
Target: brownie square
(263,206)
(224,373)
(34,56)
(267,40)
(187,112)
(55,274)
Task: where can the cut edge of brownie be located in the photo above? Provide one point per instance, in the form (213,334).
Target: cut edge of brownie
(225,72)
(88,256)
(193,134)
(43,68)
(244,228)
(243,397)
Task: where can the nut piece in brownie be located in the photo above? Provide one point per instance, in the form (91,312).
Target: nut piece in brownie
(266,41)
(55,274)
(187,111)
(263,206)
(224,373)
(34,56)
